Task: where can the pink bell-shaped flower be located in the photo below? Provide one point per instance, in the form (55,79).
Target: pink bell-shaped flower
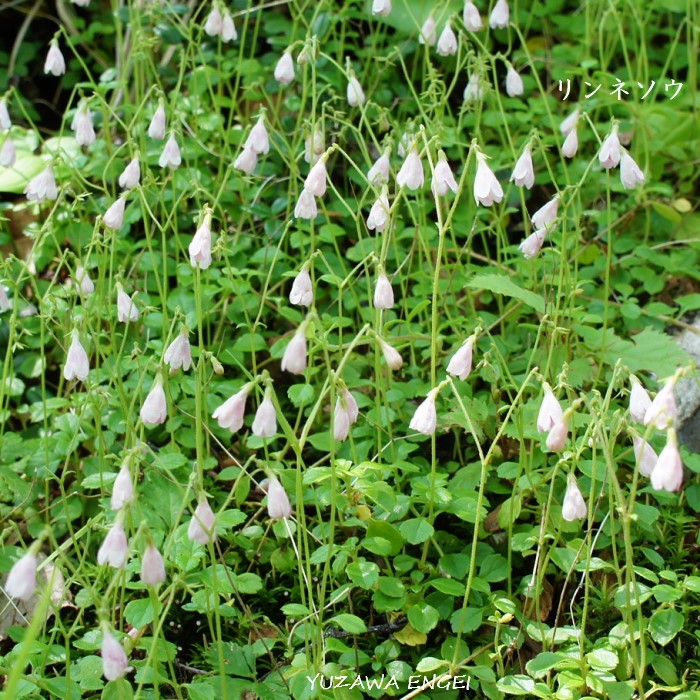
(379,213)
(114,549)
(8,153)
(230,413)
(472,18)
(214,22)
(155,408)
(156,128)
(556,438)
(355,94)
(383,293)
(278,505)
(514,83)
(5,121)
(258,138)
(668,472)
(200,246)
(487,189)
(284,70)
(123,489)
(639,400)
(202,525)
(569,124)
(246,160)
(114,216)
(570,145)
(645,456)
(179,353)
(545,215)
(411,173)
(460,364)
(574,506)
(85,284)
(228,28)
(77,364)
(551,412)
(42,186)
(391,355)
(152,566)
(126,308)
(306,206)
(524,172)
(631,174)
(610,151)
(315,182)
(21,581)
(170,157)
(345,414)
(447,43)
(498,19)
(265,421)
(662,412)
(381,7)
(443,179)
(294,358)
(55,64)
(115,663)
(378,174)
(428,35)
(82,126)
(425,417)
(131,175)
(532,245)
(302,291)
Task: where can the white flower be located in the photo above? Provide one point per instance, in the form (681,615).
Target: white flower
(77,364)
(302,291)
(306,206)
(126,309)
(472,18)
(609,154)
(42,187)
(284,70)
(378,174)
(662,411)
(114,216)
(355,94)
(278,505)
(569,124)
(5,121)
(383,293)
(524,172)
(294,358)
(447,43)
(532,245)
(115,663)
(228,28)
(8,153)
(155,408)
(639,400)
(170,157)
(201,527)
(514,83)
(246,161)
(381,7)
(315,182)
(114,549)
(230,413)
(82,126)
(179,353)
(55,63)
(265,421)
(487,189)
(427,32)
(344,415)
(556,438)
(152,566)
(214,23)
(123,489)
(668,472)
(425,417)
(460,364)
(5,303)
(500,15)
(391,355)
(379,213)
(83,280)
(21,581)
(258,138)
(81,3)
(570,145)
(200,246)
(411,173)
(131,175)
(546,214)
(645,456)
(443,179)
(156,129)
(550,411)
(630,173)
(313,146)
(574,506)
(474,90)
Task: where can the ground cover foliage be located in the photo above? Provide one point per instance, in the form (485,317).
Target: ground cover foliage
(406,443)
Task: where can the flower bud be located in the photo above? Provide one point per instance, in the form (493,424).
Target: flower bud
(425,417)
(524,172)
(179,353)
(202,525)
(294,358)
(77,364)
(131,175)
(498,19)
(278,505)
(284,70)
(156,129)
(574,506)
(115,549)
(170,157)
(383,293)
(152,566)
(487,189)
(55,63)
(155,408)
(265,421)
(21,581)
(230,413)
(115,663)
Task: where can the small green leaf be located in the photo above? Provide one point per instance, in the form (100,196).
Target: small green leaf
(423,617)
(301,394)
(500,284)
(664,625)
(349,623)
(416,530)
(139,613)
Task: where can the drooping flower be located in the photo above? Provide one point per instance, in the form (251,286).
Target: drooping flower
(532,245)
(411,173)
(514,83)
(662,412)
(668,472)
(474,91)
(85,284)
(379,213)
(447,43)
(156,129)
(631,174)
(345,414)
(82,126)
(246,160)
(131,175)
(179,353)
(123,489)
(569,124)
(570,145)
(302,291)
(284,70)
(550,411)
(55,64)
(546,214)
(278,505)
(381,7)
(524,172)
(610,151)
(306,207)
(115,548)
(265,421)
(77,364)
(42,186)
(487,189)
(556,438)
(639,400)
(443,179)
(313,146)
(5,121)
(230,413)
(645,456)
(114,216)
(152,566)
(574,506)
(315,182)
(378,174)
(200,246)
(294,358)
(5,303)
(170,157)
(472,18)
(460,364)
(355,94)
(228,28)
(428,35)
(8,153)
(155,408)
(214,22)
(202,524)
(21,581)
(115,663)
(425,417)
(391,355)
(126,309)
(498,19)
(258,139)
(383,293)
